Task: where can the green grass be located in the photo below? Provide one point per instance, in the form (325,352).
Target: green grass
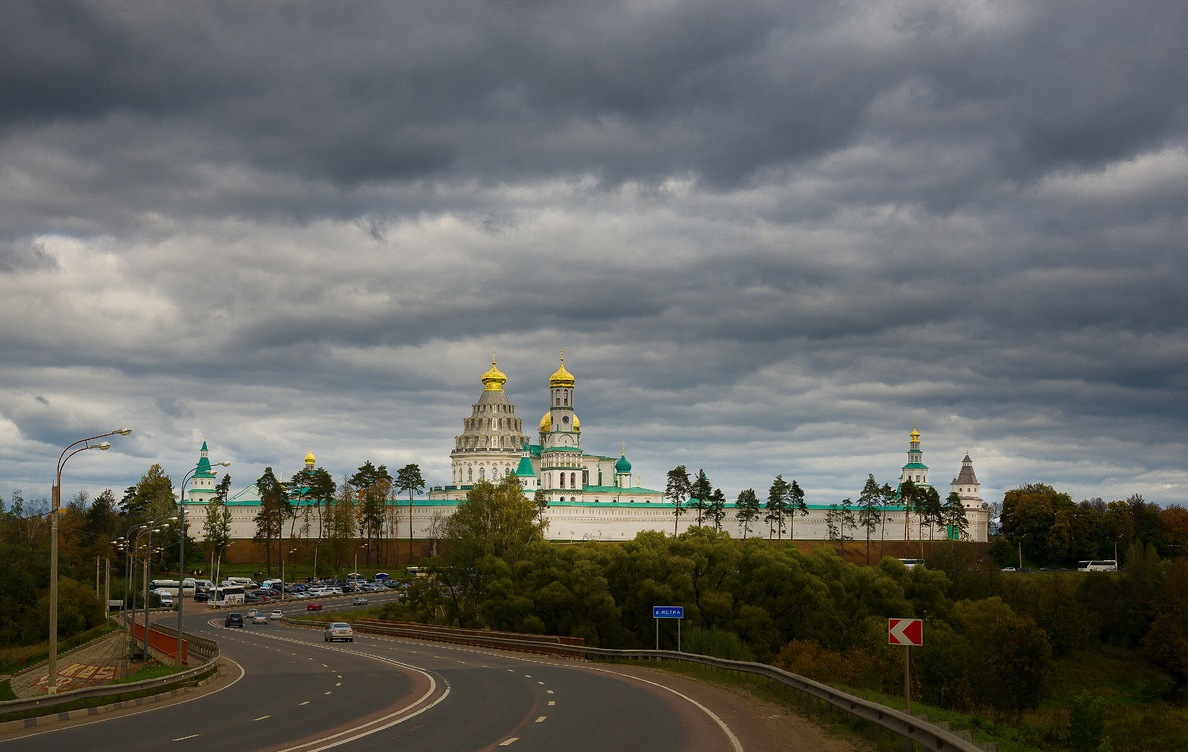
(152,670)
(6,692)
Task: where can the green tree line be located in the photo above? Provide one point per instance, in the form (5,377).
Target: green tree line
(990,637)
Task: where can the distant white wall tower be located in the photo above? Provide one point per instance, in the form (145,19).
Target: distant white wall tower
(966,485)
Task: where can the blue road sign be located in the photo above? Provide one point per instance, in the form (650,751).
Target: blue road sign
(668,612)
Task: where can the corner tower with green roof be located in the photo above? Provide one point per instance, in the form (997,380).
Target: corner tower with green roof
(202,488)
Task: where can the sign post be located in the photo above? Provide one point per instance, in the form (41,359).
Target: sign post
(909,633)
(668,612)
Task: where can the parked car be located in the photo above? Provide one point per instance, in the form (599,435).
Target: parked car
(339,630)
(313,606)
(359,601)
(201,597)
(233,620)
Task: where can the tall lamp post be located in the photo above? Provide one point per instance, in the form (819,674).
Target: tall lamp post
(291,550)
(67,453)
(181,551)
(148,557)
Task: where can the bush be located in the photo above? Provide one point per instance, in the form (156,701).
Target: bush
(718,643)
(1086,723)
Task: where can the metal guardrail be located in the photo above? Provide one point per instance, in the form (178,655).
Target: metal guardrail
(48,703)
(928,735)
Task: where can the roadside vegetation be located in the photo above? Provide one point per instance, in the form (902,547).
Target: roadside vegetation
(1046,660)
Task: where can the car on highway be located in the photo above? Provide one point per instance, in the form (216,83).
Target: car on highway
(359,601)
(233,620)
(276,614)
(313,606)
(339,630)
(260,619)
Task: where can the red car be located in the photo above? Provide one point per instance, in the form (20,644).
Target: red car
(313,606)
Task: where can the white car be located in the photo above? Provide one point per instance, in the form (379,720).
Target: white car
(276,614)
(339,630)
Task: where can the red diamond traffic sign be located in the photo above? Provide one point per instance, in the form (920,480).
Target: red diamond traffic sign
(905,632)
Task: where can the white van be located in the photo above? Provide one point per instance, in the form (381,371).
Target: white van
(164,597)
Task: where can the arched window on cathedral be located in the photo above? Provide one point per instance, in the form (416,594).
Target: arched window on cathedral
(482,473)
(470,475)
(573,480)
(494,473)
(563,480)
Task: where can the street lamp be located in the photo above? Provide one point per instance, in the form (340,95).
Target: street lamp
(292,551)
(218,565)
(52,679)
(181,552)
(148,555)
(355,572)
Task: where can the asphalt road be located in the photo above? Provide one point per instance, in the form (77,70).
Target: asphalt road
(289,690)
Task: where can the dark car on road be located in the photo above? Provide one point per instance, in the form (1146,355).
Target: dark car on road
(233,620)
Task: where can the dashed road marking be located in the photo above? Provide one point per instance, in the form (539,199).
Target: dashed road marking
(509,742)
(183,738)
(541,719)
(262,718)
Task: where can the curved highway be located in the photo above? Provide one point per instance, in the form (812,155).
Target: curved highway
(288,690)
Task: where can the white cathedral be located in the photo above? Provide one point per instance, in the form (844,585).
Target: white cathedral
(590,496)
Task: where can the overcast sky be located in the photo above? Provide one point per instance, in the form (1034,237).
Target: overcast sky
(768,235)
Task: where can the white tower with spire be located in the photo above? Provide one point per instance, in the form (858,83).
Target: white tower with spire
(915,470)
(202,487)
(966,486)
(562,473)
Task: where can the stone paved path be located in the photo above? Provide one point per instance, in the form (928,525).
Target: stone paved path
(97,662)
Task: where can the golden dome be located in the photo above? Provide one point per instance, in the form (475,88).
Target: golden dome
(546,423)
(310,459)
(915,435)
(561,377)
(577,424)
(494,379)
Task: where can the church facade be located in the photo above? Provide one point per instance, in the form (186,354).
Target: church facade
(589,496)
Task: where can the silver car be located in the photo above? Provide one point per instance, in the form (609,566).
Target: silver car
(339,630)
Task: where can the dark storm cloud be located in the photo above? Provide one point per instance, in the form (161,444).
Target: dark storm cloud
(768,233)
(377,92)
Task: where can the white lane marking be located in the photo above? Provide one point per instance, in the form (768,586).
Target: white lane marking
(552,703)
(326,693)
(337,684)
(509,742)
(735,744)
(183,738)
(303,703)
(540,682)
(541,719)
(262,718)
(549,691)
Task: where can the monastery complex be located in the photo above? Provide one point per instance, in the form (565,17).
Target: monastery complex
(590,496)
